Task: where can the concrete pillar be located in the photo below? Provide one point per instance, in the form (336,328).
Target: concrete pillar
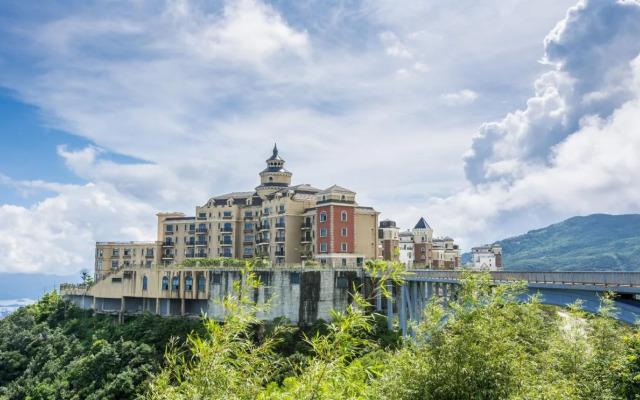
(429,290)
(378,299)
(444,295)
(414,298)
(94,303)
(452,292)
(403,309)
(157,305)
(389,306)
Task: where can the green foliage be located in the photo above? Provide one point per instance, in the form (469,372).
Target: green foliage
(596,242)
(53,349)
(218,262)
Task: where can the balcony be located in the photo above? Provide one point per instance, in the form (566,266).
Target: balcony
(279,253)
(227,230)
(149,255)
(245,243)
(306,225)
(258,227)
(227,255)
(167,256)
(280,211)
(201,231)
(247,256)
(226,243)
(264,227)
(190,244)
(305,239)
(248,217)
(279,239)
(126,256)
(167,244)
(168,232)
(279,225)
(202,216)
(227,216)
(201,243)
(192,231)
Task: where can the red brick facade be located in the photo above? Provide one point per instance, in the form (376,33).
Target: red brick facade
(334,226)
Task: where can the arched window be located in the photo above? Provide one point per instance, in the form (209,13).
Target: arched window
(201,282)
(343,198)
(343,216)
(323,216)
(144,283)
(165,283)
(175,283)
(188,283)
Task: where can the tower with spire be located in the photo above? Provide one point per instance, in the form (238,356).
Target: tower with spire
(275,177)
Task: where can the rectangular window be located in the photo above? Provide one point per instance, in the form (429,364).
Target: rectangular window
(343,216)
(344,247)
(344,262)
(114,264)
(282,208)
(100,253)
(99,268)
(248,214)
(248,226)
(192,227)
(216,279)
(323,216)
(344,232)
(169,228)
(323,232)
(116,280)
(263,278)
(202,215)
(294,278)
(115,252)
(247,251)
(323,247)
(227,214)
(342,282)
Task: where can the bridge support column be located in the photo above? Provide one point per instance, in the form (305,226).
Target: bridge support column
(378,299)
(429,291)
(444,295)
(389,307)
(403,309)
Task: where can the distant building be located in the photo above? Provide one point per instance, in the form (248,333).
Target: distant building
(486,258)
(417,248)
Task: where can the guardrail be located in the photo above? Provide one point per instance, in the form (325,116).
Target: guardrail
(577,277)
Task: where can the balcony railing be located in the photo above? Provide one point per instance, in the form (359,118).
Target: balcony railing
(264,227)
(168,232)
(202,216)
(190,244)
(279,253)
(279,239)
(305,239)
(226,230)
(226,242)
(227,216)
(279,225)
(201,243)
(247,255)
(306,225)
(167,256)
(148,255)
(245,243)
(126,256)
(201,231)
(167,244)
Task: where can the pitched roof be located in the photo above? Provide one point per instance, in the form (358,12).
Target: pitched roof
(234,195)
(336,188)
(422,224)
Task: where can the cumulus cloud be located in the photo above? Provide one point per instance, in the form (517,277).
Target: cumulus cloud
(57,235)
(573,149)
(461,98)
(591,50)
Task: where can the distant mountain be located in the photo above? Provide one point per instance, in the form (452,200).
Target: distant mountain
(596,242)
(31,286)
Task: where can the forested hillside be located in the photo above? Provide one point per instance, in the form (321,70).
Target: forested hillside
(54,350)
(596,242)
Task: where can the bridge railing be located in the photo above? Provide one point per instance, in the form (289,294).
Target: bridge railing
(550,277)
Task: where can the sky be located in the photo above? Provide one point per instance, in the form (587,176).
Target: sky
(488,118)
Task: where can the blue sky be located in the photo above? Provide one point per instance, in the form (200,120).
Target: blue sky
(488,118)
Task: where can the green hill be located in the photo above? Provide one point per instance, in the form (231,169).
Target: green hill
(596,242)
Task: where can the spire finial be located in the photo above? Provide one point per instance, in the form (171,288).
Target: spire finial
(275,149)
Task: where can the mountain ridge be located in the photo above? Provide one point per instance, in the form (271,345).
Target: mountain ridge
(596,242)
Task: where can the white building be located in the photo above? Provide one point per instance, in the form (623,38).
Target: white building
(405,245)
(486,258)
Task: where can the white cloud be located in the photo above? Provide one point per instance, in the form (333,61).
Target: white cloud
(461,98)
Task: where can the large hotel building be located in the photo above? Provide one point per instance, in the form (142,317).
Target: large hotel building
(278,222)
